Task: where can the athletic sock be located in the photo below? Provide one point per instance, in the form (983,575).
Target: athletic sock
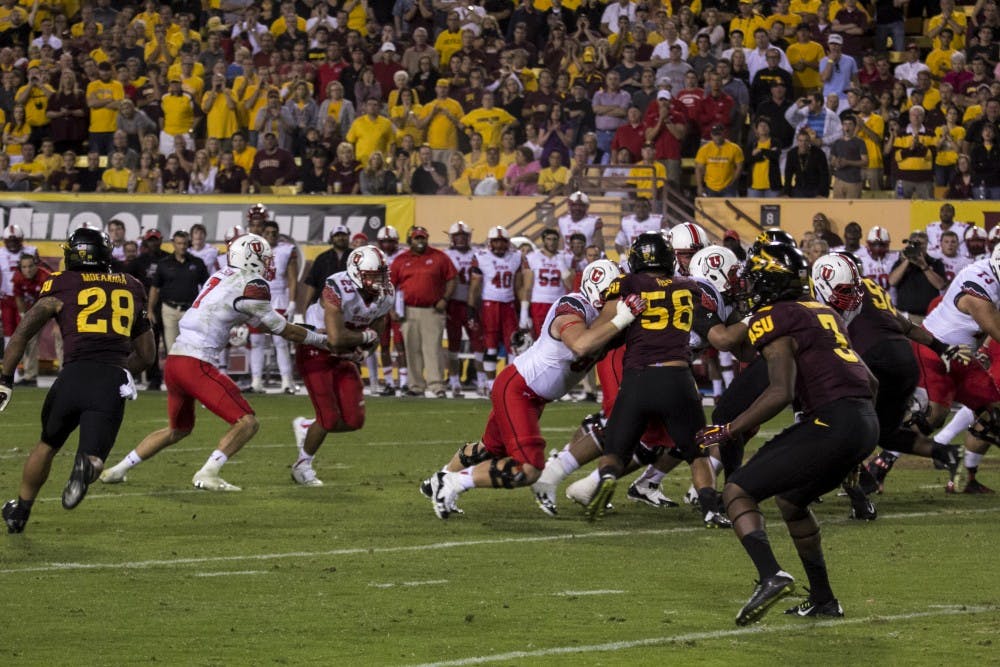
(464,479)
(727,377)
(651,475)
(717,387)
(215,461)
(454,381)
(758,548)
(403,377)
(567,461)
(819,581)
(131,460)
(481,378)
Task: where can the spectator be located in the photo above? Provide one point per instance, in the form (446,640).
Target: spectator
(757,57)
(146,177)
(330,261)
(104,97)
(231,178)
(811,115)
(371,132)
(648,176)
(889,24)
(848,155)
(426,278)
(763,163)
(243,152)
(767,76)
(804,56)
(631,135)
(522,176)
(178,116)
(175,284)
(441,120)
(851,24)
(338,108)
(807,174)
(67,112)
(716,108)
(488,176)
(344,173)
(220,109)
(674,68)
(609,107)
(838,70)
(402,169)
(376,178)
(272,165)
(429,176)
(67,177)
(174,176)
(913,154)
(907,70)
(553,179)
(985,158)
(116,177)
(202,177)
(275,120)
(718,165)
(962,182)
(666,127)
(917,277)
(91,176)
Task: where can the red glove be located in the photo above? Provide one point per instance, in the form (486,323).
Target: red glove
(713,434)
(636,304)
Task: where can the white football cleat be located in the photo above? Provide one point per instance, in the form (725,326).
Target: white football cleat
(209,480)
(303,473)
(650,494)
(582,490)
(545,496)
(444,495)
(114,475)
(299,427)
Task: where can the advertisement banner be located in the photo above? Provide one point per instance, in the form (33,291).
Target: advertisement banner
(306,219)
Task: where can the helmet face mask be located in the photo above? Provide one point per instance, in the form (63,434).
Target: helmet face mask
(596,279)
(878,242)
(578,205)
(88,250)
(257,215)
(368,269)
(498,239)
(975,241)
(837,281)
(252,253)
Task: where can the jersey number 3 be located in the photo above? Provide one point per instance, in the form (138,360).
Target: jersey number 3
(657,315)
(843,349)
(93,299)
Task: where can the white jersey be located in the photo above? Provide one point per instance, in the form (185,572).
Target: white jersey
(463,265)
(549,367)
(577,264)
(934,232)
(498,274)
(341,291)
(230,297)
(209,254)
(118,252)
(547,276)
(589,225)
(632,227)
(954,265)
(10,263)
(283,253)
(950,325)
(877,270)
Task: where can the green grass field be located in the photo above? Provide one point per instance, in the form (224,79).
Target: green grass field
(360,571)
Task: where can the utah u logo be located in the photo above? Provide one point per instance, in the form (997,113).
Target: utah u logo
(256,247)
(715,261)
(597,275)
(826,272)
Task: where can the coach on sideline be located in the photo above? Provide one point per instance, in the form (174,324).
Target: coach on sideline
(426,278)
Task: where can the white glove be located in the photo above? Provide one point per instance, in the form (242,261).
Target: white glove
(290,311)
(127,390)
(368,337)
(623,315)
(525,321)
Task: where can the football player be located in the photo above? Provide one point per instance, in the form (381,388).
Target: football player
(283,290)
(352,312)
(257,215)
(547,276)
(639,221)
(234,295)
(577,221)
(809,361)
(496,278)
(459,316)
(975,243)
(10,259)
(106,337)
(511,451)
(876,259)
(388,242)
(656,380)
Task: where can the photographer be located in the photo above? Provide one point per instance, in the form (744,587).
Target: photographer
(917,277)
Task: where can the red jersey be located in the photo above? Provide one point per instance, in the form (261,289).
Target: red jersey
(663,331)
(101,314)
(421,278)
(828,368)
(27,289)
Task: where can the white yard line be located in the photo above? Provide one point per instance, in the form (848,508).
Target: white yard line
(409,584)
(611,647)
(435,546)
(575,594)
(230,574)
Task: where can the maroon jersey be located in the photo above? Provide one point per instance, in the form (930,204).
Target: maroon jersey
(877,320)
(101,314)
(663,332)
(828,369)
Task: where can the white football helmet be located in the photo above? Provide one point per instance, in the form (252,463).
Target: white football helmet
(13,232)
(837,282)
(718,265)
(233,233)
(458,227)
(368,269)
(253,254)
(521,241)
(596,279)
(460,235)
(878,241)
(498,239)
(388,239)
(975,241)
(686,239)
(993,237)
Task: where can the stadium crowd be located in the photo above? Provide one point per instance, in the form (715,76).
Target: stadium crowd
(806,98)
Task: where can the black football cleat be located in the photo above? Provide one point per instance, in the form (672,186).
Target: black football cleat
(84,474)
(830,609)
(765,595)
(15,516)
(974,487)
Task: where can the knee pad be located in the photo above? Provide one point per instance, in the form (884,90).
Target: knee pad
(987,426)
(490,360)
(647,455)
(476,454)
(506,473)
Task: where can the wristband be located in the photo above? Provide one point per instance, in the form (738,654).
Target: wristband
(525,306)
(314,339)
(622,320)
(938,347)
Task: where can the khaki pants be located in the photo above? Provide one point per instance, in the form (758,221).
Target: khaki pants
(30,359)
(845,190)
(874,178)
(423,332)
(171,324)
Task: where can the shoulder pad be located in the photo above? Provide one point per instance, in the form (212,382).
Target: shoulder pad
(972,288)
(570,305)
(258,290)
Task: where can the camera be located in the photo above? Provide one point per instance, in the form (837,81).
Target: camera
(913,251)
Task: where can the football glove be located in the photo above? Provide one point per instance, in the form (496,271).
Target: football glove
(713,434)
(957,355)
(627,309)
(5,391)
(525,321)
(369,339)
